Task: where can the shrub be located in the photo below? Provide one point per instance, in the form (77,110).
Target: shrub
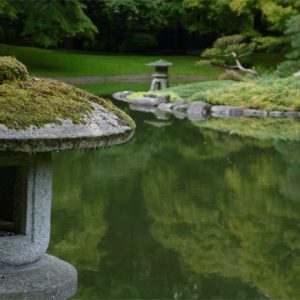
(11,69)
(268,93)
(293,58)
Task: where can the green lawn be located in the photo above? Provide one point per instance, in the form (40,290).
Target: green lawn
(108,88)
(77,63)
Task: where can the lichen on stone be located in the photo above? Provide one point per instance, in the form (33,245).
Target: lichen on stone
(42,101)
(12,70)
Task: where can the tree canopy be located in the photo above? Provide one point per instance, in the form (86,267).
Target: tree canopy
(293,58)
(127,25)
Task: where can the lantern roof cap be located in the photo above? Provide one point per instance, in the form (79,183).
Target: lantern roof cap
(160,63)
(42,115)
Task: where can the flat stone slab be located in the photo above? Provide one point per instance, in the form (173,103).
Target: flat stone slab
(101,128)
(145,101)
(143,108)
(166,107)
(254,113)
(198,110)
(275,114)
(121,96)
(223,111)
(291,114)
(148,99)
(49,278)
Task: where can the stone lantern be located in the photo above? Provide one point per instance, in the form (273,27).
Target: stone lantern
(38,116)
(160,77)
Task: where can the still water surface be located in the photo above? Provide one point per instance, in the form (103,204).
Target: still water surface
(180,213)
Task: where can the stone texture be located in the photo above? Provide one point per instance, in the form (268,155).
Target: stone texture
(161,115)
(145,101)
(102,128)
(148,100)
(164,98)
(223,111)
(143,108)
(122,96)
(254,113)
(180,108)
(179,102)
(198,110)
(35,182)
(166,107)
(297,74)
(275,114)
(291,114)
(179,114)
(47,279)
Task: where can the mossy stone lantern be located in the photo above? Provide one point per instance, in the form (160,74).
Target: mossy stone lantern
(36,117)
(160,77)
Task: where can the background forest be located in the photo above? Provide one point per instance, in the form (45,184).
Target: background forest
(170,26)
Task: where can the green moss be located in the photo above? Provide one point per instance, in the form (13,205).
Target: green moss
(271,94)
(173,95)
(11,69)
(38,102)
(189,92)
(267,93)
(194,91)
(258,128)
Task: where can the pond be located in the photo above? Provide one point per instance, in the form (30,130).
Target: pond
(180,212)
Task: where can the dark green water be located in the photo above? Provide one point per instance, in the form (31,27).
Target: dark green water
(180,213)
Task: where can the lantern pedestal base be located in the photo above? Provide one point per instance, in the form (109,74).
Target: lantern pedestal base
(48,278)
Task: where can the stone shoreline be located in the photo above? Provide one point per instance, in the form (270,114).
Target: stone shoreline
(196,110)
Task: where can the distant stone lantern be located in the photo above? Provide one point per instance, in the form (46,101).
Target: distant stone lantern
(160,79)
(26,272)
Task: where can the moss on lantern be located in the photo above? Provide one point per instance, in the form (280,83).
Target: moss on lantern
(27,101)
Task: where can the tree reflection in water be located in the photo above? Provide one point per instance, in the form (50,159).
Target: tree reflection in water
(180,212)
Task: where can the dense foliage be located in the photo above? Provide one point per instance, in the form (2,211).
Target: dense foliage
(11,69)
(143,25)
(267,93)
(293,31)
(227,52)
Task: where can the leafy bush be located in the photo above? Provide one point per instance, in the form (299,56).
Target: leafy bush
(190,91)
(220,52)
(227,52)
(282,94)
(293,31)
(11,69)
(270,43)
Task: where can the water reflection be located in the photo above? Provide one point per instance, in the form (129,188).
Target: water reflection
(180,212)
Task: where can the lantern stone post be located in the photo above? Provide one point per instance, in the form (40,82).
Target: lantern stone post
(160,79)
(26,271)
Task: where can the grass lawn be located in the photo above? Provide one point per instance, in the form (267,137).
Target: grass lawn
(108,88)
(78,63)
